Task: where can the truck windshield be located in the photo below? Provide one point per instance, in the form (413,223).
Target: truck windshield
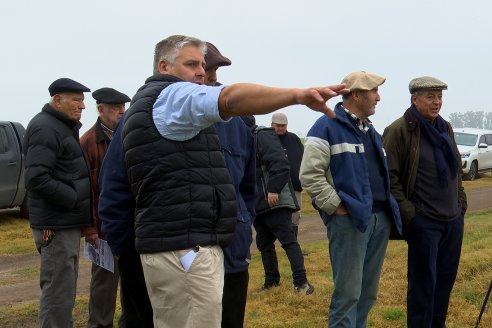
(465,139)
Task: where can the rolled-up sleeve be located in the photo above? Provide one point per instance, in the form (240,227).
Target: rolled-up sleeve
(183,109)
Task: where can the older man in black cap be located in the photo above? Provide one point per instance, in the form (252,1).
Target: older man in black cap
(344,170)
(425,171)
(95,142)
(58,183)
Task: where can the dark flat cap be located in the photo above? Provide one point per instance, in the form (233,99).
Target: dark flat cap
(426,82)
(214,58)
(66,85)
(110,96)
(363,81)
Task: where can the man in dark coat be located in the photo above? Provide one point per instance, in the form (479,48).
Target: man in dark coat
(425,171)
(59,193)
(239,152)
(95,142)
(293,150)
(276,202)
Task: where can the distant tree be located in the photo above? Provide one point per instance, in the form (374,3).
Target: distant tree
(471,119)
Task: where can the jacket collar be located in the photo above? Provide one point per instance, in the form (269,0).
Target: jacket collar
(163,78)
(61,117)
(410,119)
(100,135)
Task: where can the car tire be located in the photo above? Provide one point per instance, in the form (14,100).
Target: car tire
(473,173)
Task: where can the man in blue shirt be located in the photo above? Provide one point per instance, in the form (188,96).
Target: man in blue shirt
(185,201)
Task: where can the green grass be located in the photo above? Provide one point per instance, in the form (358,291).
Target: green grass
(15,236)
(281,307)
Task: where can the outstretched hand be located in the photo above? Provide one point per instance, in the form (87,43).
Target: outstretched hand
(316,98)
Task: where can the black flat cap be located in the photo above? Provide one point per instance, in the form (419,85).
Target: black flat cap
(110,96)
(214,58)
(66,85)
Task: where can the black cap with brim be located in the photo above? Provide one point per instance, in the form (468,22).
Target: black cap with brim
(110,96)
(66,85)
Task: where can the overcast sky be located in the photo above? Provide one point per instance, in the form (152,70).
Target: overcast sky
(279,43)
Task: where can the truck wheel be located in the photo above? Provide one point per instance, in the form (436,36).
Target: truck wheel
(473,173)
(24,210)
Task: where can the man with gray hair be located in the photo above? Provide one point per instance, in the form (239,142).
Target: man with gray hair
(344,170)
(185,201)
(425,172)
(293,150)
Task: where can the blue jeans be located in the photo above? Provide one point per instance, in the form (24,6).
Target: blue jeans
(434,249)
(356,260)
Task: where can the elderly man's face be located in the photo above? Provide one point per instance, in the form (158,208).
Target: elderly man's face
(280,129)
(428,103)
(368,101)
(188,66)
(110,114)
(211,76)
(70,103)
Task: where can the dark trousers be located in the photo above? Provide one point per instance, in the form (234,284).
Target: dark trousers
(434,249)
(136,310)
(272,225)
(102,297)
(234,299)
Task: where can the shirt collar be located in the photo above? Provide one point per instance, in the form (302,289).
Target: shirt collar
(363,125)
(107,131)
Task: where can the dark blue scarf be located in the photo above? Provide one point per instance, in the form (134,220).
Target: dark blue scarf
(444,153)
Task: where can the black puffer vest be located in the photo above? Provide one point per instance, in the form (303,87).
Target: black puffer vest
(183,191)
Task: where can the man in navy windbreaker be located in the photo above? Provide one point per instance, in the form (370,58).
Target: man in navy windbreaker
(239,152)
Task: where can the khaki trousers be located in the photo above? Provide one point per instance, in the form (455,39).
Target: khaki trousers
(185,299)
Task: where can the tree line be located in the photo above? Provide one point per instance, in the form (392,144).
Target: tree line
(471,119)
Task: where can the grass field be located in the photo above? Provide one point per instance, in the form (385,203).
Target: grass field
(281,307)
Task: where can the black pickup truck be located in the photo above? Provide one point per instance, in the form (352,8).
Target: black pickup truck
(12,190)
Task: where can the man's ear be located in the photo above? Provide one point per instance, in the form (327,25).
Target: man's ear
(57,101)
(100,108)
(412,98)
(163,66)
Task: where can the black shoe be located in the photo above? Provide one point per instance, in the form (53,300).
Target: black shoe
(266,287)
(305,289)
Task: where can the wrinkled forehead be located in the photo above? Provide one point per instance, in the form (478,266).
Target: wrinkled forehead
(429,92)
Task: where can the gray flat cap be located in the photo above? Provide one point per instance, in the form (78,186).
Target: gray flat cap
(426,82)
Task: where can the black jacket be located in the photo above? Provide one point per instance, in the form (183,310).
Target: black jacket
(272,172)
(294,149)
(56,175)
(183,190)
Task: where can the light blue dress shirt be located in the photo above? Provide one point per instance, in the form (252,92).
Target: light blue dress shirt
(183,109)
